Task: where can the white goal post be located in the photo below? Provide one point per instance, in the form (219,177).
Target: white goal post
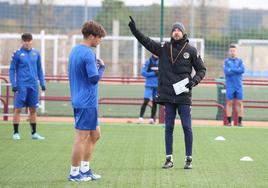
(253,52)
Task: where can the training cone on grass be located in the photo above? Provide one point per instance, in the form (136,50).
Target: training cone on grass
(246,158)
(220,138)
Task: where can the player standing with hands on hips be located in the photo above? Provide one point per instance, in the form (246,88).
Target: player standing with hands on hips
(85,71)
(176,60)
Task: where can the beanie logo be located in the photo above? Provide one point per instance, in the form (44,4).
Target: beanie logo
(186,55)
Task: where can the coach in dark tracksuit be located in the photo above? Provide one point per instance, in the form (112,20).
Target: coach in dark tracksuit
(176,59)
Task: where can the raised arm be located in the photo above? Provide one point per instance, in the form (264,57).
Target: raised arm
(151,45)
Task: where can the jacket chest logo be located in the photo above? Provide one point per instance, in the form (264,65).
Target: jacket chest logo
(186,55)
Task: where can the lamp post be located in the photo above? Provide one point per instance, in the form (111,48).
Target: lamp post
(85,10)
(162,20)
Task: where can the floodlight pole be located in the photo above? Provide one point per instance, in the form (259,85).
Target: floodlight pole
(162,20)
(192,32)
(161,109)
(85,10)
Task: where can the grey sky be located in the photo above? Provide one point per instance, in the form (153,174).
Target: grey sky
(251,4)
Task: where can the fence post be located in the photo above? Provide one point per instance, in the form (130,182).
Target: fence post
(6,105)
(5,117)
(43,55)
(161,114)
(221,92)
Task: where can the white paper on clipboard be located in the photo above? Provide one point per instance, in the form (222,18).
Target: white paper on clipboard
(179,87)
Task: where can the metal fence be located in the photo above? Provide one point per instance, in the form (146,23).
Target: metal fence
(122,97)
(217,22)
(120,53)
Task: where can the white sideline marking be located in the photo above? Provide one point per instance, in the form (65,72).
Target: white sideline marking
(220,138)
(246,158)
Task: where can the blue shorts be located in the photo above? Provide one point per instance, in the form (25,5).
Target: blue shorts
(27,96)
(234,94)
(86,118)
(150,92)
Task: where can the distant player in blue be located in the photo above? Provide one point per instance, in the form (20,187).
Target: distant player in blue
(150,73)
(84,73)
(233,71)
(24,73)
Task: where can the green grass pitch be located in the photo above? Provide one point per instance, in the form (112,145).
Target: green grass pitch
(130,155)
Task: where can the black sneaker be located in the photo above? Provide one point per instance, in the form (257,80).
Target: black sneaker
(240,125)
(168,164)
(188,163)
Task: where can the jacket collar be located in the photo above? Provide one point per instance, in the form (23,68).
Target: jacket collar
(180,42)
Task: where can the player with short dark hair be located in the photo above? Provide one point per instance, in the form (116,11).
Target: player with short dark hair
(233,71)
(150,72)
(26,37)
(24,73)
(84,75)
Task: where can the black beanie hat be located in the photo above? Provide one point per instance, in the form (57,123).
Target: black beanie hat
(180,26)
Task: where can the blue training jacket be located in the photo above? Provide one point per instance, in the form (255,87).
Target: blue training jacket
(233,70)
(149,70)
(25,68)
(83,77)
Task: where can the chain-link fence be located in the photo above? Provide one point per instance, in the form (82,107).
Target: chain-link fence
(217,22)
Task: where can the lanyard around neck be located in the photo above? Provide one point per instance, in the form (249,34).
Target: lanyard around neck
(171,53)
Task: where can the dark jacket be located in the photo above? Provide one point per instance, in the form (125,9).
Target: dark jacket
(170,73)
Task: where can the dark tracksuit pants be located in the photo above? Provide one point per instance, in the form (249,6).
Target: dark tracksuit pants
(184,112)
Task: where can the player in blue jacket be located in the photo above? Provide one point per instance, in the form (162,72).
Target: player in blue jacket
(24,73)
(150,73)
(84,73)
(233,71)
